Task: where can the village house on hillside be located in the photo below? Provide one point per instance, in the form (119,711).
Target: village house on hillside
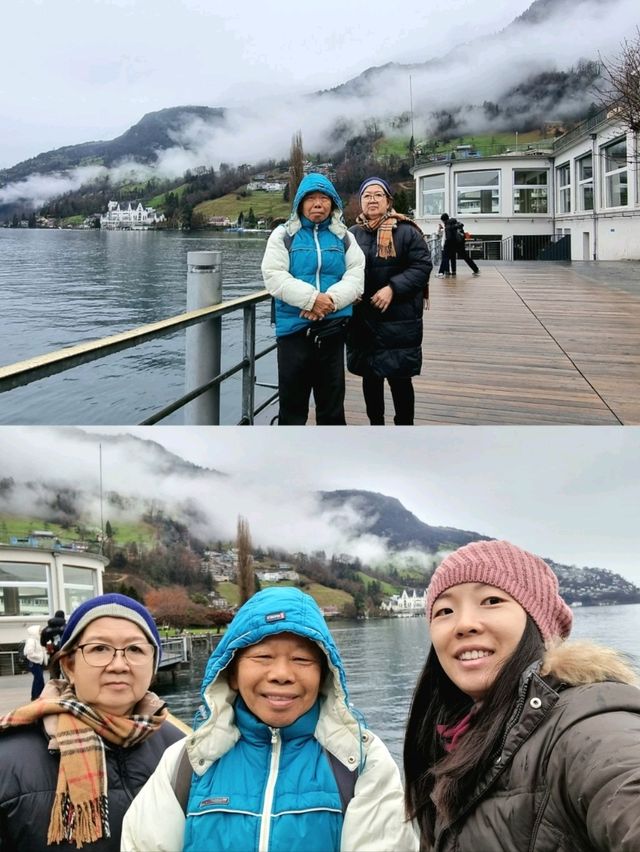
(405,603)
(130,219)
(577,198)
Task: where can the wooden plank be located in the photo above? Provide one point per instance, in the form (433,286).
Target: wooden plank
(527,343)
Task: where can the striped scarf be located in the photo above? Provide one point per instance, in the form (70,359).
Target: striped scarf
(80,810)
(385,225)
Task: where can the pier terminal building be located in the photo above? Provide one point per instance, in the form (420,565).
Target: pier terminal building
(577,198)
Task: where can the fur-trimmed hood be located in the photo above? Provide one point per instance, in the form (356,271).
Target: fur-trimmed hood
(580,663)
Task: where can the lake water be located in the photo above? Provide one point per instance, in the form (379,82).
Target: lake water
(64,287)
(383,658)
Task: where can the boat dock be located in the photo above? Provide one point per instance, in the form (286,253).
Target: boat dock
(527,344)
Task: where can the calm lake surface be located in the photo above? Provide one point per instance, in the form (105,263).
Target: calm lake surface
(384,657)
(65,287)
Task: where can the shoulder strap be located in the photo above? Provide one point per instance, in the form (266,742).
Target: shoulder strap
(345,779)
(181,780)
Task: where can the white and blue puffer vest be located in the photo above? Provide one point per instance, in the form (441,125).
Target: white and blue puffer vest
(270,788)
(316,253)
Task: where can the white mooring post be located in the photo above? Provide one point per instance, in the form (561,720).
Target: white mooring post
(203,344)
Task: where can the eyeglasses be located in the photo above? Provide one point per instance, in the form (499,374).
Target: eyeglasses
(373,196)
(99,655)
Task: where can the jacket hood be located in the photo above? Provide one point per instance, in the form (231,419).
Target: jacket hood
(33,630)
(314,182)
(582,663)
(272,611)
(317,183)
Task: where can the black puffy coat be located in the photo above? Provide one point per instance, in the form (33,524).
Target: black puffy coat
(389,344)
(53,631)
(28,777)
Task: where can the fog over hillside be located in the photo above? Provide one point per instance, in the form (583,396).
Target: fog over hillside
(450,76)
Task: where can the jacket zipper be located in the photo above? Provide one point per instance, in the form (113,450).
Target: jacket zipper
(319,253)
(265,822)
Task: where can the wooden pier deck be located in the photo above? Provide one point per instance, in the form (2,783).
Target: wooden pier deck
(528,344)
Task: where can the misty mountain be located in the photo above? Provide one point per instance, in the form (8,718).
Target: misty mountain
(156,131)
(504,81)
(386,517)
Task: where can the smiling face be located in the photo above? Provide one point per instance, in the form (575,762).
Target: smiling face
(278,678)
(316,206)
(374,201)
(117,687)
(474,629)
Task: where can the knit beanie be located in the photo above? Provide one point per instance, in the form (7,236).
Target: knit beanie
(368,181)
(112,606)
(527,578)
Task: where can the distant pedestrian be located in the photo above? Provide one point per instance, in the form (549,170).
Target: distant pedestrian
(454,245)
(50,636)
(315,272)
(445,263)
(385,337)
(36,659)
(518,739)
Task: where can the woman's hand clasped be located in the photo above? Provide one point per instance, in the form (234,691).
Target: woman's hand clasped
(382,298)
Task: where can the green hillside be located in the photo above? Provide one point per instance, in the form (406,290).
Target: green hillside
(265,205)
(123,532)
(387,588)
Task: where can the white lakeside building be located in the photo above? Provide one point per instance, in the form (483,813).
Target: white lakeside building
(405,603)
(584,186)
(130,219)
(35,581)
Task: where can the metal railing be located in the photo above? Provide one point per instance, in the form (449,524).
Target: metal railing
(174,652)
(206,339)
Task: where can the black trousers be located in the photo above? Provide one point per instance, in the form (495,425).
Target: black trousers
(462,255)
(303,367)
(403,400)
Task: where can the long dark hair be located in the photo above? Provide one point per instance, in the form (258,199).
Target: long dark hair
(451,778)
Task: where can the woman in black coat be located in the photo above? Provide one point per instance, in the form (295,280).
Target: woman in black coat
(385,336)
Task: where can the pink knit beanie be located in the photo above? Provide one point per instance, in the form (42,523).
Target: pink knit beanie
(527,578)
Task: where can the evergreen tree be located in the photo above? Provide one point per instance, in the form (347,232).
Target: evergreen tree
(246,575)
(296,164)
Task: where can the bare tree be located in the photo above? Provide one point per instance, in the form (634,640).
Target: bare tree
(246,576)
(296,164)
(621,89)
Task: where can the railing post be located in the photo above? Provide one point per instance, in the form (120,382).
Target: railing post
(249,370)
(203,342)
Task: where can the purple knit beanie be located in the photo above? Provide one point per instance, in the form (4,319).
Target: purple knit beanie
(112,605)
(527,578)
(371,180)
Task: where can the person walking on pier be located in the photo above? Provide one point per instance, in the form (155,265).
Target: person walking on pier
(50,636)
(315,272)
(517,739)
(36,658)
(73,760)
(454,246)
(281,760)
(385,336)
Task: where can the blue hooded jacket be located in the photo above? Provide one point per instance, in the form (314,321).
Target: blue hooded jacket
(316,252)
(271,788)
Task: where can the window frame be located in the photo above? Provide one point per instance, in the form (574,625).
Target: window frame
(479,188)
(530,187)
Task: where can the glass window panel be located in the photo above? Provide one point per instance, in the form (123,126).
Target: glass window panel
(615,156)
(433,203)
(616,190)
(79,585)
(479,178)
(530,200)
(529,177)
(21,572)
(479,201)
(586,196)
(432,182)
(585,168)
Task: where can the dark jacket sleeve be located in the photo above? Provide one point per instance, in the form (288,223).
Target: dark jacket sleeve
(413,249)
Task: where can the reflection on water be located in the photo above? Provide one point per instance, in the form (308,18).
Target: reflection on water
(65,287)
(383,658)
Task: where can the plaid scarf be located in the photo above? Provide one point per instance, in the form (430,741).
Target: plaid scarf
(80,810)
(385,225)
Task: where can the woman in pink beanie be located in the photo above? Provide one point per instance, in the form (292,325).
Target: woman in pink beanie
(516,739)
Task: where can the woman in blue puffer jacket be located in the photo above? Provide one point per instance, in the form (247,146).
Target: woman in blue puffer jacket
(265,759)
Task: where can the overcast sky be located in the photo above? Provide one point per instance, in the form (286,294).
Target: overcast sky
(569,493)
(82,70)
